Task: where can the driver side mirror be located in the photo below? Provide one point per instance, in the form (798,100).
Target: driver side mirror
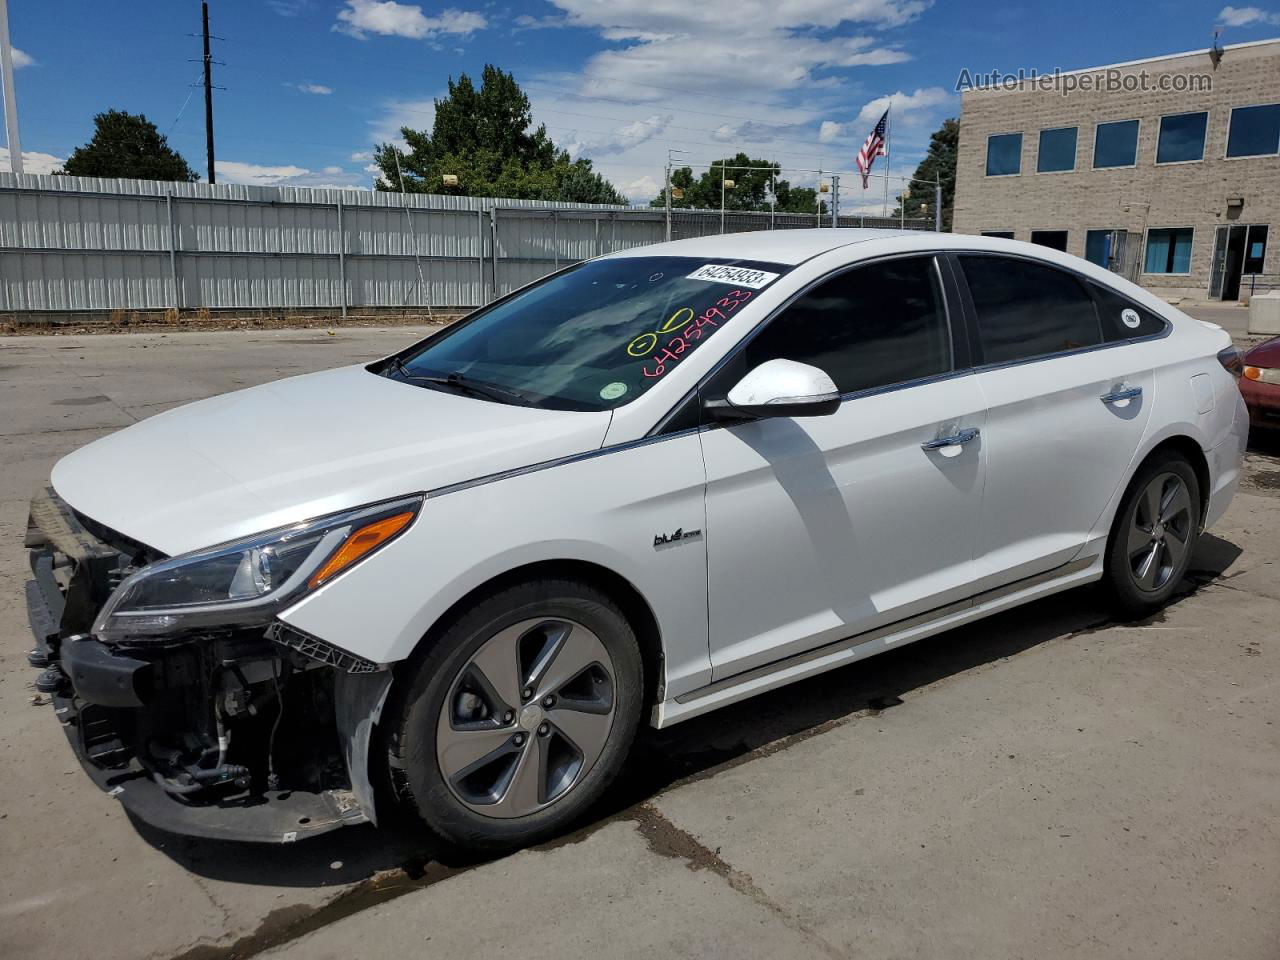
(779,388)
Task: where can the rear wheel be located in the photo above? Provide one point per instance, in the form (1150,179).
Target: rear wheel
(1154,535)
(519,716)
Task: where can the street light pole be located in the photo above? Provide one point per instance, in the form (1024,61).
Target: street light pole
(667,193)
(722,165)
(10,99)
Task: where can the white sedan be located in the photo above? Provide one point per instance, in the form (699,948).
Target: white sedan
(458,579)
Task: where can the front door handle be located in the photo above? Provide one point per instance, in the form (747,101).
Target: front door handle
(1124,393)
(963,436)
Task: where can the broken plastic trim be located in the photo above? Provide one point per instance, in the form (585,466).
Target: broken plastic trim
(319,650)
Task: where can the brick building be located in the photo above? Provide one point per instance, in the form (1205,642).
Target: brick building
(1166,170)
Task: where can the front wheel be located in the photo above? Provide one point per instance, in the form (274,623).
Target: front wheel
(1154,535)
(519,715)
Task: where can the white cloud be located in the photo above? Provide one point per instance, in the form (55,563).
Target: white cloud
(830,130)
(641,190)
(750,130)
(374,169)
(362,156)
(417,114)
(909,108)
(390,19)
(21,59)
(288,8)
(317,88)
(32,161)
(288,175)
(256,174)
(549,22)
(1243,16)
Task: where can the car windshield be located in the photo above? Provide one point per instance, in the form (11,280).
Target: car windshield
(589,338)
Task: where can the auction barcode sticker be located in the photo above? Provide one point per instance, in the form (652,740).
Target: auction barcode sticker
(738,276)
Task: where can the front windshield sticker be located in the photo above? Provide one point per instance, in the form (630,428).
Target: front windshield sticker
(738,276)
(647,344)
(612,391)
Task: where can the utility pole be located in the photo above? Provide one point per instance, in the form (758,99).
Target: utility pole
(208,89)
(10,98)
(835,200)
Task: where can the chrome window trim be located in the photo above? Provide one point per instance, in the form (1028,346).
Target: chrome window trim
(655,436)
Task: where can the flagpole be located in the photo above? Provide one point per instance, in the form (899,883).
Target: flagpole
(888,125)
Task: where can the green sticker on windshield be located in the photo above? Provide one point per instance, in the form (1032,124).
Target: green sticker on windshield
(612,391)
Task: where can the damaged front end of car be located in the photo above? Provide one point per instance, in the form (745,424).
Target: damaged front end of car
(180,690)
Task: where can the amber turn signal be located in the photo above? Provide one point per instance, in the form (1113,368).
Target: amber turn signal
(358,544)
(1252,373)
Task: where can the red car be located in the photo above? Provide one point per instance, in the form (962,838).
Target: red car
(1260,383)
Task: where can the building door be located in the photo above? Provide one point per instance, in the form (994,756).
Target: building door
(1237,249)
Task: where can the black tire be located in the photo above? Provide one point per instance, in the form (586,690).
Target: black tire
(1134,596)
(432,676)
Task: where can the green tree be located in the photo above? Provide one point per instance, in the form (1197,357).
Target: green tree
(127,145)
(751,182)
(939,162)
(486,138)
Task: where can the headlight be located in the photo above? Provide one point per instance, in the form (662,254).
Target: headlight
(1262,374)
(246,582)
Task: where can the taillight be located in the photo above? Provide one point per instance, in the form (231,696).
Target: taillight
(1231,361)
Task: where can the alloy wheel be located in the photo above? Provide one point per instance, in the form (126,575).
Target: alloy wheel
(1160,532)
(526,717)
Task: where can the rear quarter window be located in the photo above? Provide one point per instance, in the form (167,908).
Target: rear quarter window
(1122,319)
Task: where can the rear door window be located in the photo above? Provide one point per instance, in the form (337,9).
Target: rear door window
(1026,309)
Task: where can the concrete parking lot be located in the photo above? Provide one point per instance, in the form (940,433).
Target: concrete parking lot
(1045,784)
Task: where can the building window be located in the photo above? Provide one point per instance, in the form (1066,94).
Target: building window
(1054,239)
(1004,154)
(1168,250)
(1181,137)
(1000,234)
(1255,131)
(1057,150)
(1116,144)
(1255,251)
(1097,247)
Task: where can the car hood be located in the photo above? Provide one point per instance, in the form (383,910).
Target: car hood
(255,459)
(1265,354)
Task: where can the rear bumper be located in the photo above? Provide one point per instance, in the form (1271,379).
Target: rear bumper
(1263,401)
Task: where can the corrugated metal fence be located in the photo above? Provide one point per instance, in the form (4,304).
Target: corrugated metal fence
(83,245)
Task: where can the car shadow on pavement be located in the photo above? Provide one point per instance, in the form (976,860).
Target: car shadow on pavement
(690,751)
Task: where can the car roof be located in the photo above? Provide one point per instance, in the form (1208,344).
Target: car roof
(772,246)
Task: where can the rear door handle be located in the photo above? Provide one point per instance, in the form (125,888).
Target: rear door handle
(1125,393)
(963,436)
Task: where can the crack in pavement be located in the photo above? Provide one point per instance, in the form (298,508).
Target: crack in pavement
(668,840)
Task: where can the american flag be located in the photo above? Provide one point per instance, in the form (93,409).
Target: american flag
(874,147)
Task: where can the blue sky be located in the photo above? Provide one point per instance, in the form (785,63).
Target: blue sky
(312,85)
